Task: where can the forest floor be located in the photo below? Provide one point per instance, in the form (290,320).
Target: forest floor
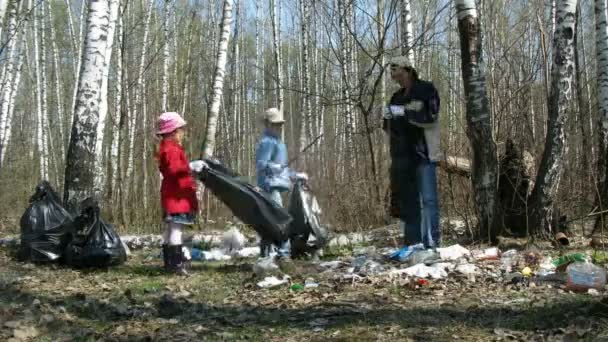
(137,301)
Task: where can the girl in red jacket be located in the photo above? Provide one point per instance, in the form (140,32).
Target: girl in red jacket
(177,191)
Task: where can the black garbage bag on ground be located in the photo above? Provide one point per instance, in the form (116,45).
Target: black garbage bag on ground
(95,243)
(44,226)
(252,207)
(306,214)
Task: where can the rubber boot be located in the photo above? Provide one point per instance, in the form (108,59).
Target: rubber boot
(166,257)
(178,262)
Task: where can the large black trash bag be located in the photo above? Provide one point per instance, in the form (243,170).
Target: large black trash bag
(252,207)
(306,214)
(44,226)
(95,243)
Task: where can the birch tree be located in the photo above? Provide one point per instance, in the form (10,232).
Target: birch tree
(117,118)
(80,161)
(601,48)
(218,81)
(103,105)
(407,33)
(306,119)
(41,114)
(562,84)
(11,79)
(485,164)
(276,39)
(133,116)
(3,7)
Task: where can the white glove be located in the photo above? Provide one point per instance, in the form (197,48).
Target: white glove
(301,176)
(198,165)
(386,113)
(275,168)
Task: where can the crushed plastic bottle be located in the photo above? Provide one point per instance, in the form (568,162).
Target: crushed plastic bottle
(585,275)
(403,253)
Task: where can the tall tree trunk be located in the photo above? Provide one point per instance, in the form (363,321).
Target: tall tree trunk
(166,43)
(601,49)
(485,164)
(3,7)
(562,83)
(100,176)
(276,31)
(133,116)
(58,85)
(80,162)
(8,76)
(118,118)
(41,114)
(306,117)
(83,14)
(11,84)
(218,82)
(407,33)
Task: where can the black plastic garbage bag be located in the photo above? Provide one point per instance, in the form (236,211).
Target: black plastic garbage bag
(268,219)
(95,243)
(44,226)
(306,214)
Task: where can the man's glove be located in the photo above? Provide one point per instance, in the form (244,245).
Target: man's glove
(275,168)
(386,113)
(198,165)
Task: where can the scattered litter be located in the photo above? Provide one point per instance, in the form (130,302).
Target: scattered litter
(467,269)
(310,283)
(585,275)
(562,262)
(454,252)
(403,253)
(233,240)
(422,271)
(215,254)
(297,287)
(332,265)
(248,252)
(488,254)
(273,281)
(265,266)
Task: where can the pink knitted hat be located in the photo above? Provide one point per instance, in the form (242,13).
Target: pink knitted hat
(169,122)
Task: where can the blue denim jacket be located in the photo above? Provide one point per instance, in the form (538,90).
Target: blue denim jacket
(271,163)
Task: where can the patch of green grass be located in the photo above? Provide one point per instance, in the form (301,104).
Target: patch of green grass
(147,286)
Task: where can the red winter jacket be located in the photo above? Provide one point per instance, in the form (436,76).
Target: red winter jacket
(178,189)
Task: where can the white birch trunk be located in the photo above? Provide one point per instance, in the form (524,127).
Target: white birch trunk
(9,93)
(58,85)
(601,49)
(3,7)
(276,32)
(306,117)
(407,33)
(133,116)
(80,161)
(41,132)
(100,176)
(218,82)
(83,13)
(165,76)
(73,40)
(117,128)
(8,72)
(485,164)
(562,83)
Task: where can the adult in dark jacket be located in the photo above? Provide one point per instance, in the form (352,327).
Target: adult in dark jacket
(411,120)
